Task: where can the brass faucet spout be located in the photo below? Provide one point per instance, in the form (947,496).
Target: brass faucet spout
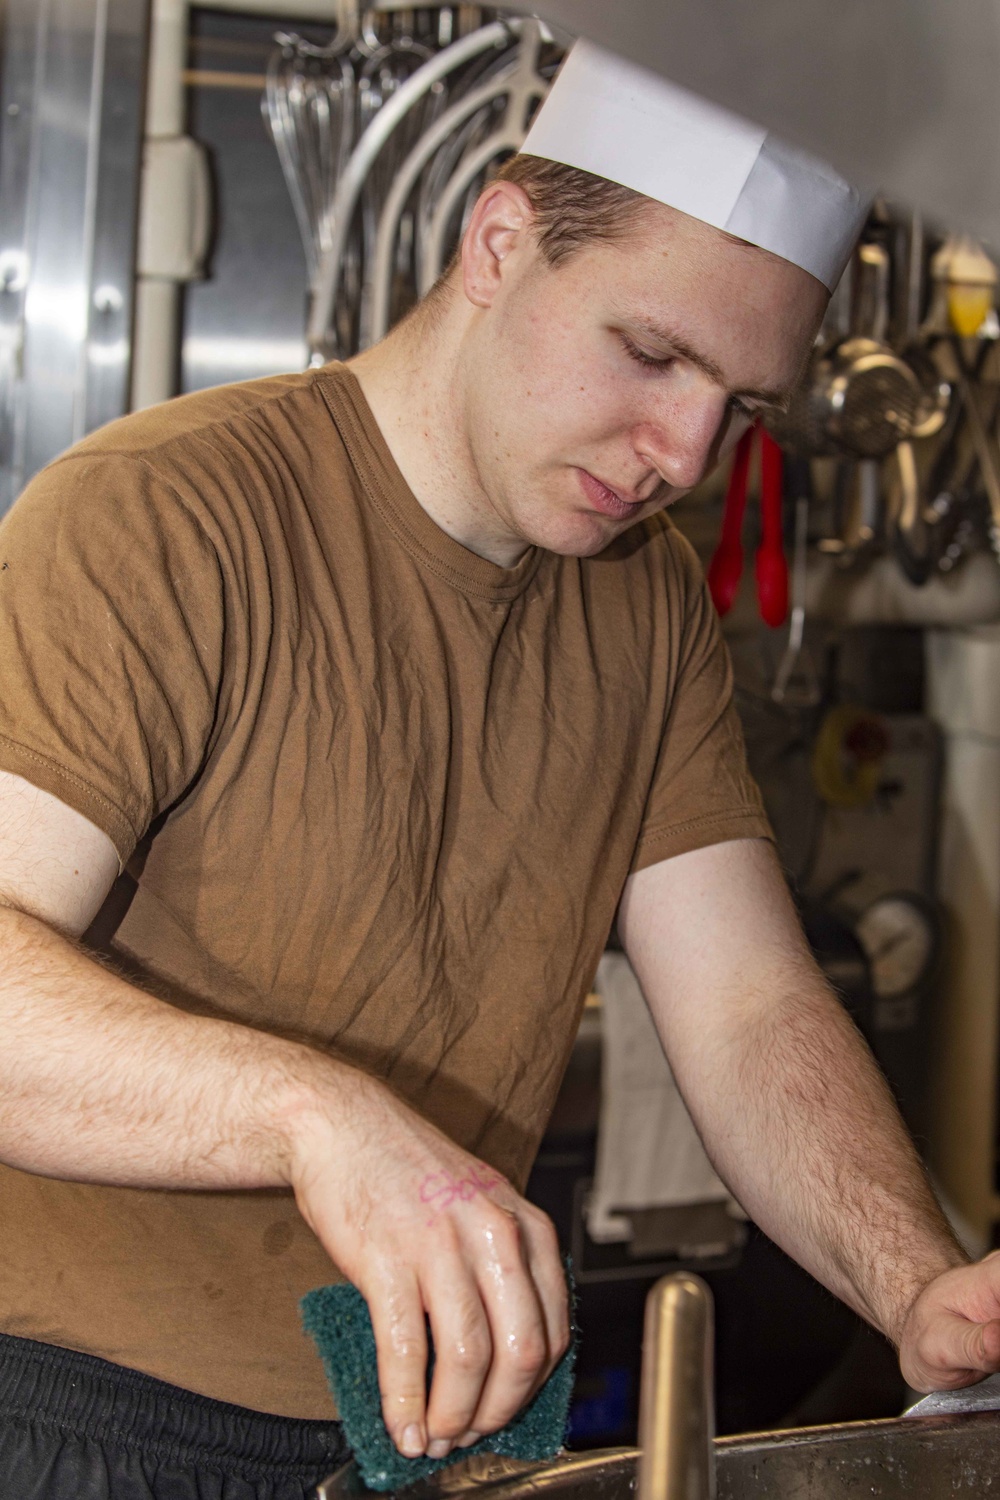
(677,1401)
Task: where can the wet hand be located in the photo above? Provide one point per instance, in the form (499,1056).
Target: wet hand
(429,1233)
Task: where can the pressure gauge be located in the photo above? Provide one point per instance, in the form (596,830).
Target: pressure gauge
(900,934)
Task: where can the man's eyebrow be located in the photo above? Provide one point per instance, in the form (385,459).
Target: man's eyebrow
(663,335)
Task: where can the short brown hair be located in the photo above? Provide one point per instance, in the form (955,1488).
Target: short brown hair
(572,208)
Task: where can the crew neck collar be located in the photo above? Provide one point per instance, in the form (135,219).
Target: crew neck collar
(402,512)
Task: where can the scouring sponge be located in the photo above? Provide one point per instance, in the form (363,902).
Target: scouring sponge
(337,1317)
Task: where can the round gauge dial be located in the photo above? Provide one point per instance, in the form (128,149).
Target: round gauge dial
(899,933)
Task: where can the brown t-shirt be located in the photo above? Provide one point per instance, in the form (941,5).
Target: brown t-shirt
(374,788)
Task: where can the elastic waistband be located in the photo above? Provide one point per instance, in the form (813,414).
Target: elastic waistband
(124,1408)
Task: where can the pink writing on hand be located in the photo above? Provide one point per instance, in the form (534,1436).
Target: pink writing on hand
(442,1189)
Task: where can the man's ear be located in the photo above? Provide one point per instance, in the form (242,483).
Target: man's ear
(500,224)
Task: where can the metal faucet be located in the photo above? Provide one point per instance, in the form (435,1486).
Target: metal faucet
(677,1400)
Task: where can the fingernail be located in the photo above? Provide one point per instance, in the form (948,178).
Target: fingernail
(412,1441)
(467,1439)
(440,1448)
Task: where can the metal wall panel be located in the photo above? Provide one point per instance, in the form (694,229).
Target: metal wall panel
(899,94)
(70,143)
(247,317)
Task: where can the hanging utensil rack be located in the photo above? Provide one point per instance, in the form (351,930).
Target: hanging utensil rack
(382,179)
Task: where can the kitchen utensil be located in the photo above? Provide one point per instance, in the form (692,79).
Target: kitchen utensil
(858,398)
(796,684)
(957,512)
(382,74)
(454,61)
(934,398)
(725,571)
(965,290)
(520,91)
(912,284)
(985,1396)
(909,531)
(935,391)
(355,126)
(771,567)
(871,398)
(308,107)
(984,444)
(870,302)
(863,508)
(986,454)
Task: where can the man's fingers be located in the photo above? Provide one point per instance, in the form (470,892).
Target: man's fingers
(397,1315)
(978,1346)
(546,1268)
(517,1322)
(991,1344)
(463,1350)
(956,1353)
(982,1344)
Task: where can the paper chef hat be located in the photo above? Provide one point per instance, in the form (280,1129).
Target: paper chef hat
(620,121)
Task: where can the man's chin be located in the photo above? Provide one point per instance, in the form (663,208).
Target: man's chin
(578,534)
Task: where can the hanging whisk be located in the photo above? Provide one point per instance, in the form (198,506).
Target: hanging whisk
(309,108)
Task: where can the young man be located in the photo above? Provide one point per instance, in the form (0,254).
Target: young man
(390,685)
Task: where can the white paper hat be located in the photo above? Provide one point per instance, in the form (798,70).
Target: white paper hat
(621,121)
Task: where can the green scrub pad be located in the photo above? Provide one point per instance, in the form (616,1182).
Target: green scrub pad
(337,1318)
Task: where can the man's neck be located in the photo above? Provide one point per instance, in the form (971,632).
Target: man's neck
(411,382)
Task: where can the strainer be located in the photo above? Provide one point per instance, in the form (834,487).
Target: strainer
(858,399)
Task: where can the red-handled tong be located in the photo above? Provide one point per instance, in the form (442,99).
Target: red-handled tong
(771,567)
(725,571)
(726,568)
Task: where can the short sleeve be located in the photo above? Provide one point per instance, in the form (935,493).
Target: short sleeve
(702,791)
(111,632)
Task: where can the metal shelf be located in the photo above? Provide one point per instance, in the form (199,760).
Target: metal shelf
(299,10)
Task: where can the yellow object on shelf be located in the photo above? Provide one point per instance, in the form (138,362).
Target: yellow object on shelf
(968,308)
(966,280)
(848,754)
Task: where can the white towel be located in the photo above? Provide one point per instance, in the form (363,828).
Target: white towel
(649,1154)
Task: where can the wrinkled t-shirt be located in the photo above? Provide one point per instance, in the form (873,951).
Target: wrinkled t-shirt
(367,786)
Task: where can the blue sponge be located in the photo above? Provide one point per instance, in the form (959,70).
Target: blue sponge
(337,1318)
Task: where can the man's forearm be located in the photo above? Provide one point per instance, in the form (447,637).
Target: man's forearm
(786,1095)
(815,1150)
(101,1082)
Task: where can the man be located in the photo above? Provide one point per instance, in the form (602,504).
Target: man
(389,686)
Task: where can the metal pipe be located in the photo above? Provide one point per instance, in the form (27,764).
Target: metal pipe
(677,1403)
(157,299)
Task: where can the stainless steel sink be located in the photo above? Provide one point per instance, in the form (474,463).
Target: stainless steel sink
(922,1458)
(925,1457)
(933,1453)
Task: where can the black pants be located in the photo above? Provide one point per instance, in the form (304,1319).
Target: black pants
(77,1428)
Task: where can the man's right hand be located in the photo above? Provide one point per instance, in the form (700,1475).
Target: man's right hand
(429,1233)
(99,1082)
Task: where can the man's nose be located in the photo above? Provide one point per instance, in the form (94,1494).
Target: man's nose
(681,442)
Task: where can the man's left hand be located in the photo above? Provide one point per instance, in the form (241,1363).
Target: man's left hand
(951,1337)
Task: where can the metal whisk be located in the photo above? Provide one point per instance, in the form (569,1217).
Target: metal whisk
(309,108)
